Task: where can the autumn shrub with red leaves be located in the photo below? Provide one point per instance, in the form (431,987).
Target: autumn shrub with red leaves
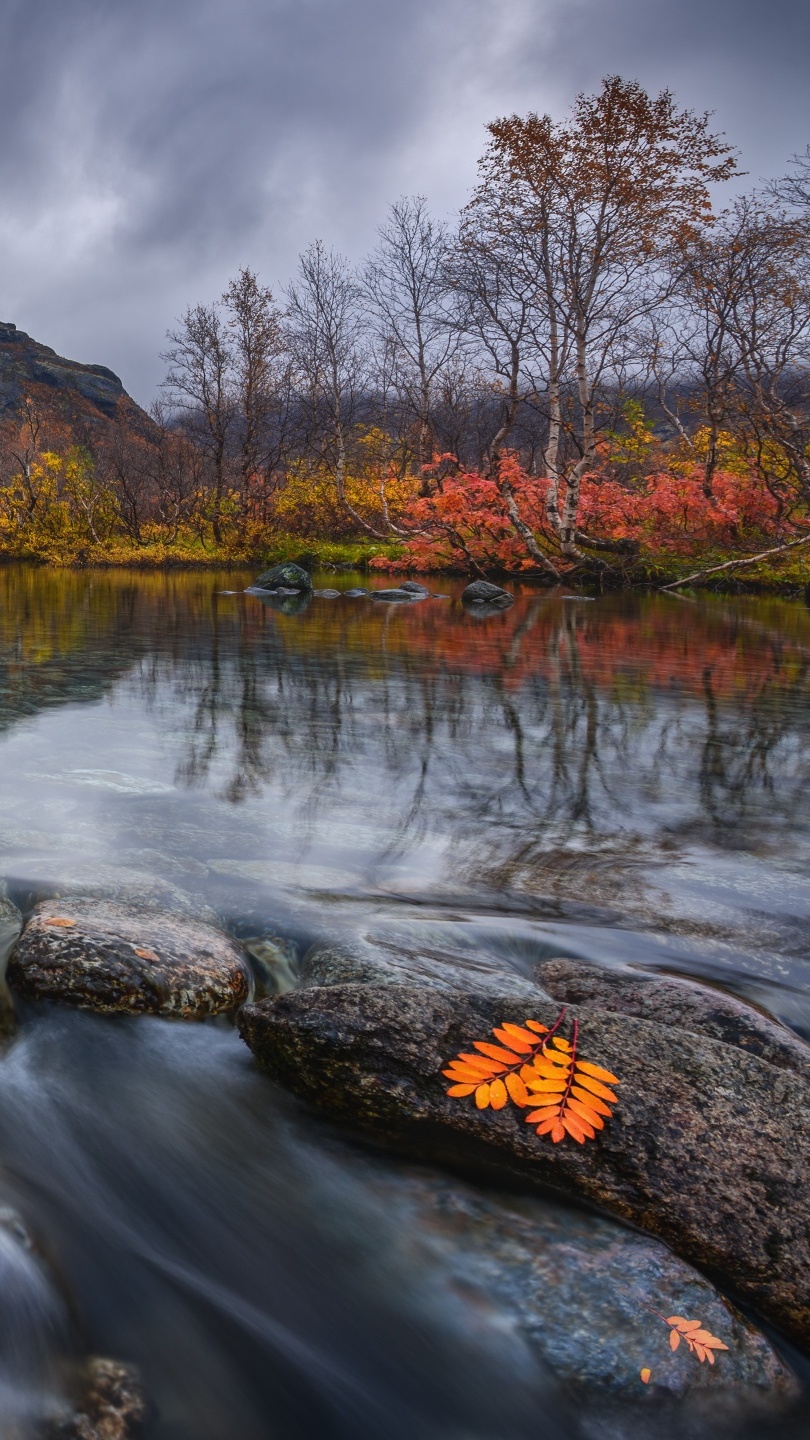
(465,525)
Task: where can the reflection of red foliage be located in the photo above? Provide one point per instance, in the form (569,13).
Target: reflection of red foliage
(658,643)
(466,519)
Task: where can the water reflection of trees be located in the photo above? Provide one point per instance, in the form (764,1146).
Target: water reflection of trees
(547,727)
(633,723)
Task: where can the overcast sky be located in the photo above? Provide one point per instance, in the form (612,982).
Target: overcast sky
(151,147)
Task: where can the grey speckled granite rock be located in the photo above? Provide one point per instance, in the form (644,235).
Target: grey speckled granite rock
(107,956)
(707,1148)
(576,1287)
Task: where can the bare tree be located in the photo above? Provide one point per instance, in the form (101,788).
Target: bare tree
(198,384)
(326,335)
(259,379)
(407,285)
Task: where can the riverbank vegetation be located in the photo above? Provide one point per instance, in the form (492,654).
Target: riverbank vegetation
(597,374)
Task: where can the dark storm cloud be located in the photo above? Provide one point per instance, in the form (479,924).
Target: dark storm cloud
(152,147)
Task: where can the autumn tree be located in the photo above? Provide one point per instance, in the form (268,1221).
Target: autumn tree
(600,198)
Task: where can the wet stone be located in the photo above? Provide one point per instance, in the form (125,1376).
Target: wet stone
(414,588)
(328,594)
(674,1001)
(287,576)
(111,1405)
(704,1150)
(483,592)
(118,958)
(579,1289)
(400,594)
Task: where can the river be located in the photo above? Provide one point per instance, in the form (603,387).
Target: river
(618,779)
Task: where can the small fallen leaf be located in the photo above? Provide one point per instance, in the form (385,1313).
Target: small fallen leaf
(645,1375)
(58,920)
(147,954)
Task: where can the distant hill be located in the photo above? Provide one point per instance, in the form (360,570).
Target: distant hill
(89,399)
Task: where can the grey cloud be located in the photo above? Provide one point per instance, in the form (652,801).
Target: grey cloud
(156,147)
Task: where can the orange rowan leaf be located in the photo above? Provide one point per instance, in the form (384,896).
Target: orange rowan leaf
(674,1339)
(516,1032)
(591,1101)
(536,1067)
(597,1072)
(517,1089)
(515,1042)
(58,920)
(586,1113)
(495,1052)
(147,955)
(645,1375)
(596,1088)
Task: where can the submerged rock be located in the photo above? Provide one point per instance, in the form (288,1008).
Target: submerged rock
(286,576)
(399,594)
(389,963)
(111,1405)
(32,880)
(483,592)
(578,1289)
(113,957)
(706,1148)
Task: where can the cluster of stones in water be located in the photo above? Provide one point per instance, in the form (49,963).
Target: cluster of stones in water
(291,579)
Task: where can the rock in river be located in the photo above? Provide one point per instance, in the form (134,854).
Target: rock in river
(482,592)
(706,1148)
(286,576)
(113,957)
(112,1404)
(577,1290)
(399,594)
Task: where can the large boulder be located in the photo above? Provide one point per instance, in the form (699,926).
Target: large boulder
(706,1149)
(577,1290)
(483,592)
(286,576)
(113,957)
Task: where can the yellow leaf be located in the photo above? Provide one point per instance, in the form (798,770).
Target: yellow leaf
(497,1094)
(597,1072)
(482,1097)
(517,1089)
(645,1375)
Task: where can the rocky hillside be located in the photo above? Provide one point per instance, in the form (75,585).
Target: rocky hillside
(87,398)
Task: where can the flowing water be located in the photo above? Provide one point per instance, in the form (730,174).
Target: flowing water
(619,779)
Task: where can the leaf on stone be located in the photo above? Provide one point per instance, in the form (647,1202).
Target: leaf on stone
(60,921)
(700,1341)
(147,954)
(645,1375)
(539,1070)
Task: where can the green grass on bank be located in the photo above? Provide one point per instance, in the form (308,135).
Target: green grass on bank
(782,575)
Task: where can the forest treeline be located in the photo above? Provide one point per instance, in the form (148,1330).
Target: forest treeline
(600,362)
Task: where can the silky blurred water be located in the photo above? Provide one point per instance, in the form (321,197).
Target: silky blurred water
(620,779)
